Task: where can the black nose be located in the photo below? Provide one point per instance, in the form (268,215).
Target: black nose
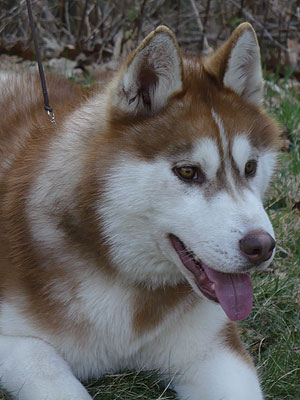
(257,246)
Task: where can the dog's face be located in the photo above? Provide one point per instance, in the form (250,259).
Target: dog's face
(183,197)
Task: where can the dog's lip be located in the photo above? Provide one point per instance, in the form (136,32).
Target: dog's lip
(195,266)
(233,291)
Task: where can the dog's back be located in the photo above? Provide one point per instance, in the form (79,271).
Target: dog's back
(23,116)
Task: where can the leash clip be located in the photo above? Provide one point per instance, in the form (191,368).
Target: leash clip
(51,116)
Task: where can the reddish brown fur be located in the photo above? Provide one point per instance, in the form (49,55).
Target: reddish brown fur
(231,337)
(151,307)
(202,92)
(19,259)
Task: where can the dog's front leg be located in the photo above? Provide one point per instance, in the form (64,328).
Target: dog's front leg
(222,375)
(202,356)
(30,369)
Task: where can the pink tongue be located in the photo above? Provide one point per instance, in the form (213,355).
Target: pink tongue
(234,292)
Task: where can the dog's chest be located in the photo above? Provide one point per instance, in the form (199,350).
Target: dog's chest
(103,338)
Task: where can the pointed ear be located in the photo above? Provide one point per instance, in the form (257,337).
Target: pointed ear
(151,75)
(237,64)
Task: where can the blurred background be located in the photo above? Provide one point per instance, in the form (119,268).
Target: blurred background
(92,32)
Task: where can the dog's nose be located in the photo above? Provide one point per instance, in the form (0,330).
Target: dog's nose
(257,246)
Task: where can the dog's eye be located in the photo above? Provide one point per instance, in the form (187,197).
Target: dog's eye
(189,174)
(250,168)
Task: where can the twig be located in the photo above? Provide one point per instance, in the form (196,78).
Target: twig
(117,45)
(266,32)
(241,8)
(61,13)
(205,46)
(101,22)
(205,22)
(139,20)
(67,18)
(264,21)
(81,22)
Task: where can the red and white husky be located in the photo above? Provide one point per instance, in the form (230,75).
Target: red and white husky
(128,230)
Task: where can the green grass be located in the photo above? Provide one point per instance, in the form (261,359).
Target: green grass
(272,331)
(129,386)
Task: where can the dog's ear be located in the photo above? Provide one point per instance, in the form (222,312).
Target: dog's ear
(237,64)
(151,75)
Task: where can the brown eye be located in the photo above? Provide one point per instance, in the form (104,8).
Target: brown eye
(250,168)
(189,174)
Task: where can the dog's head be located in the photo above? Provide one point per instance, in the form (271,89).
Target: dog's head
(192,153)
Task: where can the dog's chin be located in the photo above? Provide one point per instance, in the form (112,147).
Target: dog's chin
(232,290)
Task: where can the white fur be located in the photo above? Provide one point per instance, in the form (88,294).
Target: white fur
(207,370)
(136,225)
(32,370)
(266,167)
(62,159)
(213,378)
(197,365)
(244,74)
(143,202)
(242,151)
(206,154)
(125,224)
(125,219)
(138,237)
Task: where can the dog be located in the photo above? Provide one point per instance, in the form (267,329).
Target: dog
(129,229)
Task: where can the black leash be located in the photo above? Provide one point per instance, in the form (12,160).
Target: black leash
(47,106)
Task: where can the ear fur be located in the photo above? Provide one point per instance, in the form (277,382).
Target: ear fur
(151,75)
(237,64)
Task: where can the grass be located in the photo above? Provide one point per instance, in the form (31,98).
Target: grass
(129,386)
(272,331)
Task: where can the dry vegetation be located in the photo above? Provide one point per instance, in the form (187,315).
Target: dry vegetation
(90,31)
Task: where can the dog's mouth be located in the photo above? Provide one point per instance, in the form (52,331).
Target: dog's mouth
(233,291)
